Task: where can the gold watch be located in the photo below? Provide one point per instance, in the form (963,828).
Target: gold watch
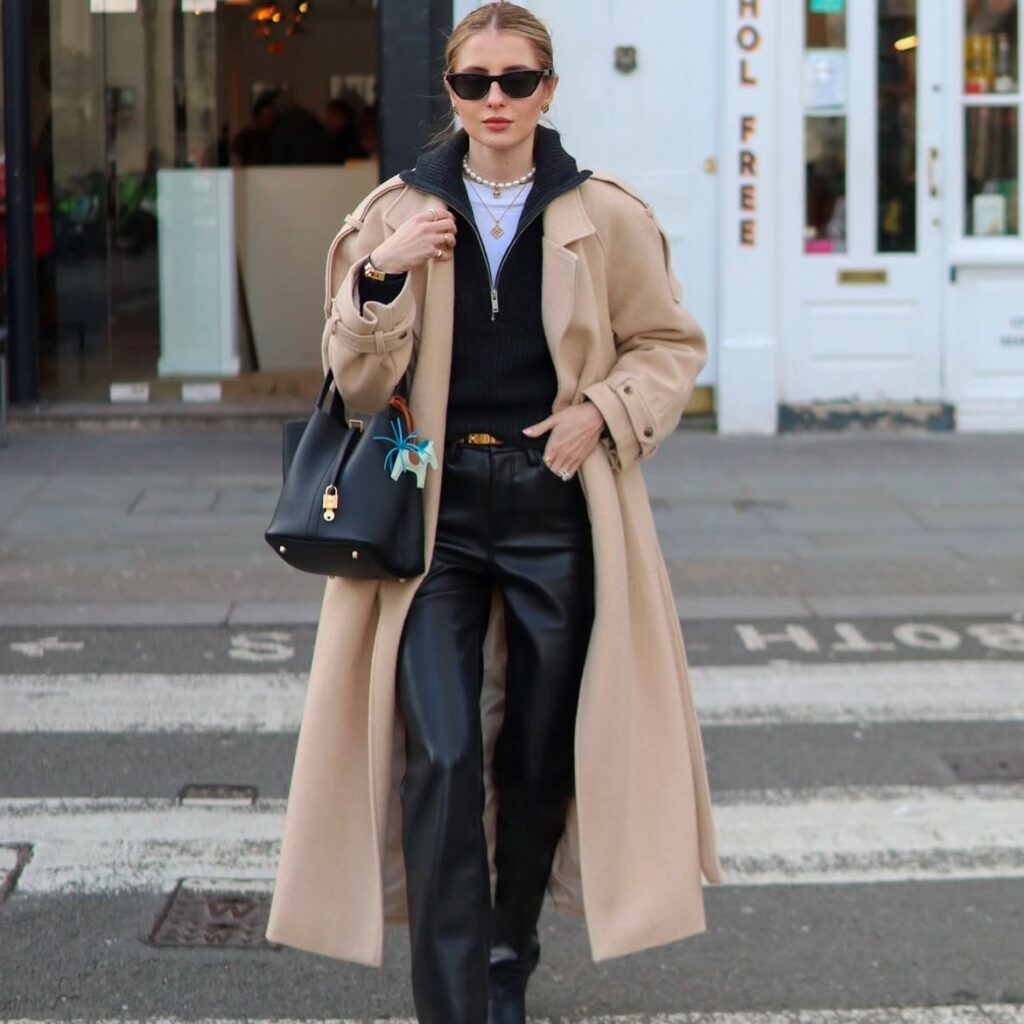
(372,272)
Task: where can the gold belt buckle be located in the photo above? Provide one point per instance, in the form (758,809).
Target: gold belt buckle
(481,439)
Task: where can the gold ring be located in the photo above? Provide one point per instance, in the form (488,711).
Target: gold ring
(438,254)
(433,214)
(449,239)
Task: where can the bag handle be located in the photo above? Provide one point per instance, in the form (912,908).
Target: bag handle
(398,401)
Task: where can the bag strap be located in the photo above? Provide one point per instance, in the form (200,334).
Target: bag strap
(398,400)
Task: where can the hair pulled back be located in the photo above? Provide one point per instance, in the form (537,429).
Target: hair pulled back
(501,17)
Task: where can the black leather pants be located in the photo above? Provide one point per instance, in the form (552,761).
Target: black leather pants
(507,520)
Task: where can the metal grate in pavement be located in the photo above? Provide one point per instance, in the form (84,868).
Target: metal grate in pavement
(986,765)
(220,793)
(216,912)
(13,858)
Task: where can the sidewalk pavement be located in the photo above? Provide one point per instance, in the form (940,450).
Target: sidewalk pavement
(164,526)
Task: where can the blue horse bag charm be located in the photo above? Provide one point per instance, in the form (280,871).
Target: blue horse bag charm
(406,454)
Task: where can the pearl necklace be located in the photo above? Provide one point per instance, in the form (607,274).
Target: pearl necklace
(497,187)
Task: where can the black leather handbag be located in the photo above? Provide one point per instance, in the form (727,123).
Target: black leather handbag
(341,512)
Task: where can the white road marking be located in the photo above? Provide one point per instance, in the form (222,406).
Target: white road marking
(37,648)
(897,691)
(226,702)
(272,645)
(983,1013)
(831,835)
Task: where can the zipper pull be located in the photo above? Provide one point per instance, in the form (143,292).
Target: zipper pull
(494,303)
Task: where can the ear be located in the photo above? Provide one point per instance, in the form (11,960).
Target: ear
(552,85)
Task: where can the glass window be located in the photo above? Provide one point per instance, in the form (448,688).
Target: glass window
(897,126)
(825,24)
(825,106)
(990,46)
(825,176)
(991,172)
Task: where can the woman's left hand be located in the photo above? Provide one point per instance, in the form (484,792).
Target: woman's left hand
(575,431)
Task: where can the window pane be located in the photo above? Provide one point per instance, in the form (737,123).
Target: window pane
(897,125)
(990,46)
(825,108)
(825,216)
(991,171)
(825,23)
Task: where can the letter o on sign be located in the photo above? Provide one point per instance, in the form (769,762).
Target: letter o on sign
(748,38)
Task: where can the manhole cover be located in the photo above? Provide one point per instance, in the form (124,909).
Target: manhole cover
(13,858)
(221,793)
(987,765)
(215,912)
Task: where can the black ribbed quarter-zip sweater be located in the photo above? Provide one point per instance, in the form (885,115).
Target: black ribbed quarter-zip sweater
(502,377)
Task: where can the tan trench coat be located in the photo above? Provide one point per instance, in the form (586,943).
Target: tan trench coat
(640,831)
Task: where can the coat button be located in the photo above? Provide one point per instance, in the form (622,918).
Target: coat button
(628,389)
(648,432)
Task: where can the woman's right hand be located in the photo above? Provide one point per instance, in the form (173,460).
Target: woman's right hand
(416,242)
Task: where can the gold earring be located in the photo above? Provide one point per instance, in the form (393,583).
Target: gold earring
(545,108)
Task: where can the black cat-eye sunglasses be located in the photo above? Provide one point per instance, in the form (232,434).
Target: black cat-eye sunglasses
(516,85)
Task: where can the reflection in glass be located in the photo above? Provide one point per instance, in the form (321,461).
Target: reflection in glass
(824,104)
(897,126)
(825,210)
(991,46)
(991,171)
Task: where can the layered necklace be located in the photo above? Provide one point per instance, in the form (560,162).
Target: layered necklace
(497,230)
(496,187)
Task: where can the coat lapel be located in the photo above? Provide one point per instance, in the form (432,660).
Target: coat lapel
(565,223)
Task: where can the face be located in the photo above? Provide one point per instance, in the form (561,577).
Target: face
(496,120)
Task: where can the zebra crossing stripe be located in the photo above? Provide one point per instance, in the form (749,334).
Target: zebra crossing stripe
(981,1013)
(898,691)
(895,691)
(830,835)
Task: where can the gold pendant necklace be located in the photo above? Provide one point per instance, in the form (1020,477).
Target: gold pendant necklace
(497,231)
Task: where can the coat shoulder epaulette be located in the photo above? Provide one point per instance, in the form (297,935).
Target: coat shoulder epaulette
(622,185)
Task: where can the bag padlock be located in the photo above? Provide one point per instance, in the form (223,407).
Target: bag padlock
(330,502)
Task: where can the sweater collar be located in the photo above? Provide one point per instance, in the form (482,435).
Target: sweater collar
(439,172)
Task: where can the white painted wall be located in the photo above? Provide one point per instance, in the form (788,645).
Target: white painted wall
(749,255)
(654,126)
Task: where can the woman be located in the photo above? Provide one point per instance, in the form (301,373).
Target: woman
(518,719)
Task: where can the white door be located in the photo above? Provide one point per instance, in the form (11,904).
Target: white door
(861,232)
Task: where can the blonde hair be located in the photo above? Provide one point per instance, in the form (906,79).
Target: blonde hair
(502,17)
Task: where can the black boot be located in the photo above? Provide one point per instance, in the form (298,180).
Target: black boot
(505,1007)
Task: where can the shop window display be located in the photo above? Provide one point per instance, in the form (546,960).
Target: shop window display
(991,117)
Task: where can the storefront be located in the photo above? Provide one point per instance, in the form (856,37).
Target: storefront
(839,180)
(193,160)
(873,263)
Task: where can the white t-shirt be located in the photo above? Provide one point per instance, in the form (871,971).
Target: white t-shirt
(486,210)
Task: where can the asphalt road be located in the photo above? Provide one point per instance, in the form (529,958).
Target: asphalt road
(867,773)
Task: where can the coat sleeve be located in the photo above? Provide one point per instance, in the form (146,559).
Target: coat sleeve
(368,348)
(660,347)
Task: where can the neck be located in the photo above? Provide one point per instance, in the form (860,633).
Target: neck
(501,164)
